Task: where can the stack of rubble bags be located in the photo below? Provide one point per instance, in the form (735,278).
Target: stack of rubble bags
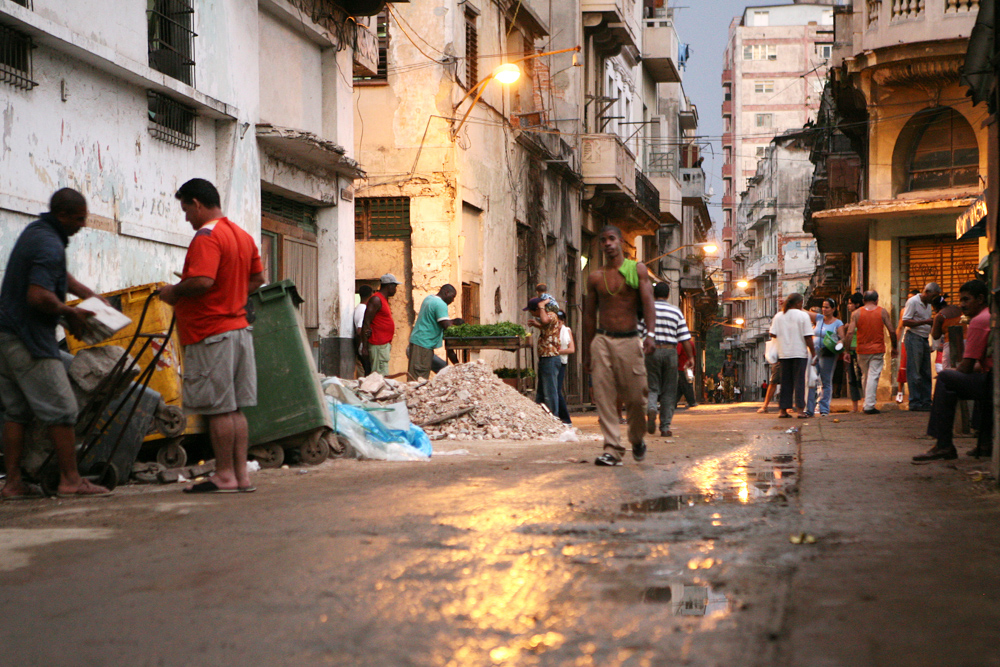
(476,403)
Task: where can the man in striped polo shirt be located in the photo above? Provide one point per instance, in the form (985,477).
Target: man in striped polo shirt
(661,366)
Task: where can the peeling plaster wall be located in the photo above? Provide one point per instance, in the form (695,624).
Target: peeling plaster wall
(98,143)
(404,143)
(289,75)
(111,24)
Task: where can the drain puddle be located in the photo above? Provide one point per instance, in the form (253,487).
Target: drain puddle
(688,600)
(762,478)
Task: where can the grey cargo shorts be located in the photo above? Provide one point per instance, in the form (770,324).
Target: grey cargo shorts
(220,374)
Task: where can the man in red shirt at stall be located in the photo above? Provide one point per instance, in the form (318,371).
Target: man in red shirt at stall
(221,269)
(378,328)
(971,381)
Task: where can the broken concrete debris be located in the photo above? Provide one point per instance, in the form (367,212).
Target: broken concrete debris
(498,411)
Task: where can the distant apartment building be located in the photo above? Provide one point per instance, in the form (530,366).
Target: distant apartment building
(773,75)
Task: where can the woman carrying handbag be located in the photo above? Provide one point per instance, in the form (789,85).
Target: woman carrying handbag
(827,338)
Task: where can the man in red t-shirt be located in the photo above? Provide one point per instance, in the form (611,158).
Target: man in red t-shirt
(971,381)
(221,269)
(378,327)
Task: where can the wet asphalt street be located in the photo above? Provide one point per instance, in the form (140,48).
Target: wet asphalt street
(507,554)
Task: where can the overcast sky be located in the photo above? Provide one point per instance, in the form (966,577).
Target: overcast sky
(704,24)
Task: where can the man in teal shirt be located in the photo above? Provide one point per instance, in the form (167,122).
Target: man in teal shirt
(428,331)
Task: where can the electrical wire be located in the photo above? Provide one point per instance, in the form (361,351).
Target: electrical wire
(392,13)
(400,19)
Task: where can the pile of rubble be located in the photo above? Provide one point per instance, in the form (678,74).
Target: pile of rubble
(464,402)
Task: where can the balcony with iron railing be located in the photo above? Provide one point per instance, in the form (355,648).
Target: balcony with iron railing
(888,23)
(646,194)
(661,166)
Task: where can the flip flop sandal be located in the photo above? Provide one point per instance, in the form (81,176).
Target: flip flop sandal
(34,492)
(78,494)
(246,489)
(208,486)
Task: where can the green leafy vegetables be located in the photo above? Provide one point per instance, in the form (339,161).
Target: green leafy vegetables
(485,330)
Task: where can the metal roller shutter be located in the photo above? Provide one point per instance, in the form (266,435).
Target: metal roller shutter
(939,259)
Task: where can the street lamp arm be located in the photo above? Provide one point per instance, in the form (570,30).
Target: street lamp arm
(481,86)
(680,247)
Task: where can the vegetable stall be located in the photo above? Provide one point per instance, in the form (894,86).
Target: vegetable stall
(505,336)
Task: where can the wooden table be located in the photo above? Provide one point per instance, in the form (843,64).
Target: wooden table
(513,344)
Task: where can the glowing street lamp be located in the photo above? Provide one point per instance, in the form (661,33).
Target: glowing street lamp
(742,284)
(505,73)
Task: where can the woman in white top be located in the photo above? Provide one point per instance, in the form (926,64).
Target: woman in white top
(792,329)
(567,346)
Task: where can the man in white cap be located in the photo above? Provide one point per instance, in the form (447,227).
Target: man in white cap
(378,327)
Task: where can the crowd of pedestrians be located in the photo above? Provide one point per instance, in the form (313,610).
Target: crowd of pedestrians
(933,337)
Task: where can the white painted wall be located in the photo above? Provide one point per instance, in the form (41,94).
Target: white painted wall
(251,67)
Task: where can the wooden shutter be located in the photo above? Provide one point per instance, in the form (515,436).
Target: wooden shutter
(471,51)
(470,303)
(301,265)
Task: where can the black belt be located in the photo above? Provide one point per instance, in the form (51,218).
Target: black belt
(619,334)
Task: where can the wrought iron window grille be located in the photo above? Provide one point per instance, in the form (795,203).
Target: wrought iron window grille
(381,218)
(15,58)
(171,121)
(170,25)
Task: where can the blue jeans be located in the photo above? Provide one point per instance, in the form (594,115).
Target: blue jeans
(918,370)
(825,367)
(563,408)
(548,383)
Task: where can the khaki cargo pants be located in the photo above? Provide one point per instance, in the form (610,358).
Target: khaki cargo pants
(619,372)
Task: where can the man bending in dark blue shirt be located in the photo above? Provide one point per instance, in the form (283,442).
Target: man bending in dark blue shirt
(33,380)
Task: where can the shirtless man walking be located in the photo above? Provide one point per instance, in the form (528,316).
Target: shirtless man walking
(611,351)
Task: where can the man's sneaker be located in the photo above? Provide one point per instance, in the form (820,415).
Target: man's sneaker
(937,454)
(651,421)
(606,459)
(639,451)
(873,411)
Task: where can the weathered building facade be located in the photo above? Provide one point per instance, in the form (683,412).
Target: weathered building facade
(780,258)
(480,203)
(922,147)
(773,76)
(494,187)
(126,101)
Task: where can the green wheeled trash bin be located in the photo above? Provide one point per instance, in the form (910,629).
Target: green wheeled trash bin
(291,410)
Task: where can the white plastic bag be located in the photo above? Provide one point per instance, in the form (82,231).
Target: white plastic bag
(813,380)
(771,351)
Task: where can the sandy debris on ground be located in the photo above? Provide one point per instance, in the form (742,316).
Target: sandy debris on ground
(499,411)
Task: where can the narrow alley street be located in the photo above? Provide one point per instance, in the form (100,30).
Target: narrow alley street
(734,543)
